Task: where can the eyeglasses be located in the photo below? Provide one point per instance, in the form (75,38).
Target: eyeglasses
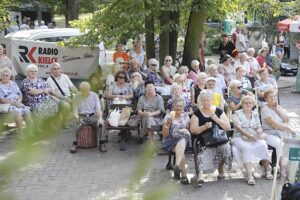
(239,87)
(248,102)
(168,60)
(178,106)
(121,77)
(5,75)
(121,63)
(33,71)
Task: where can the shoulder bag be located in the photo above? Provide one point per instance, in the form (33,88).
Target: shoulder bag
(213,137)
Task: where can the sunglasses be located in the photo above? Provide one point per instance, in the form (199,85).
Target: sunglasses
(153,64)
(121,63)
(239,87)
(56,68)
(121,77)
(168,60)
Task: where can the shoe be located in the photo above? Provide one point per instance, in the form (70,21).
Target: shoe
(251,180)
(176,171)
(220,177)
(102,148)
(184,180)
(74,147)
(200,182)
(123,145)
(269,175)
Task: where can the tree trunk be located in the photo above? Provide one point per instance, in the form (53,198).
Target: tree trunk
(72,10)
(37,5)
(149,26)
(193,34)
(163,36)
(173,35)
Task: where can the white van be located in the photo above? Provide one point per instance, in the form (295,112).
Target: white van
(54,35)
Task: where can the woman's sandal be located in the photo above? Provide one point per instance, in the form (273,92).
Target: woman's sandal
(220,177)
(251,180)
(176,171)
(200,182)
(102,148)
(184,180)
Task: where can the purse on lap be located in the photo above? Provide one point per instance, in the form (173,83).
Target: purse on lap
(213,137)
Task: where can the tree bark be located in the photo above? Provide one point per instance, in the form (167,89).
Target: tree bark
(193,34)
(72,10)
(163,36)
(173,35)
(149,27)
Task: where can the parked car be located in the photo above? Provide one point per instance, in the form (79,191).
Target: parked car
(286,68)
(54,35)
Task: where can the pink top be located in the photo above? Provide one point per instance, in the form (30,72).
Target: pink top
(192,75)
(261,60)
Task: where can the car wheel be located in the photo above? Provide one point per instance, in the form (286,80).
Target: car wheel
(294,74)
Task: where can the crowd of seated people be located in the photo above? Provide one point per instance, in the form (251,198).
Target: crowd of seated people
(196,102)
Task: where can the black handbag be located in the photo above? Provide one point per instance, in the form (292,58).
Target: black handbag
(290,191)
(213,137)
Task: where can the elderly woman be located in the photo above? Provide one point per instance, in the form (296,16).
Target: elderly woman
(134,67)
(194,70)
(248,139)
(176,93)
(186,83)
(11,96)
(264,84)
(221,84)
(207,159)
(261,58)
(37,94)
(5,62)
(227,70)
(240,76)
(153,76)
(244,63)
(198,86)
(273,122)
(137,85)
(168,70)
(210,84)
(150,108)
(139,54)
(176,136)
(121,90)
(236,92)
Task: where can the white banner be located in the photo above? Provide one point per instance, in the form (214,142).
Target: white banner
(77,63)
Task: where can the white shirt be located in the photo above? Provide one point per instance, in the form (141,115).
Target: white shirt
(220,84)
(63,81)
(254,63)
(241,43)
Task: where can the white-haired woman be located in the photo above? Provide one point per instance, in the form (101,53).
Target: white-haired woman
(208,159)
(139,54)
(236,92)
(176,136)
(37,94)
(248,139)
(240,75)
(195,64)
(186,83)
(198,86)
(10,94)
(168,70)
(137,85)
(5,62)
(176,91)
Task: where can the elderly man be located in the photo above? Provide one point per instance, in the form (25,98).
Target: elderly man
(87,111)
(61,85)
(150,108)
(218,97)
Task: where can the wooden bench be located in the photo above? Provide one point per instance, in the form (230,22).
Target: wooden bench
(126,127)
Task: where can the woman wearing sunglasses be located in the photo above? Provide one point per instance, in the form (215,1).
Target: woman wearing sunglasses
(120,90)
(236,92)
(168,70)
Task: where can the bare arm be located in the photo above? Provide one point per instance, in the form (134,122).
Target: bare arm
(277,125)
(195,129)
(164,74)
(223,121)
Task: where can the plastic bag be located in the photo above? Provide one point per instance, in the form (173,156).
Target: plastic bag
(125,115)
(114,117)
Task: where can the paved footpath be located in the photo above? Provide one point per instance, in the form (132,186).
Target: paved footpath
(89,175)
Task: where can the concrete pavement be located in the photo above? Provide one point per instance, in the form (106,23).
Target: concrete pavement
(89,175)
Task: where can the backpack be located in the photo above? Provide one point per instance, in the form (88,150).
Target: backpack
(290,191)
